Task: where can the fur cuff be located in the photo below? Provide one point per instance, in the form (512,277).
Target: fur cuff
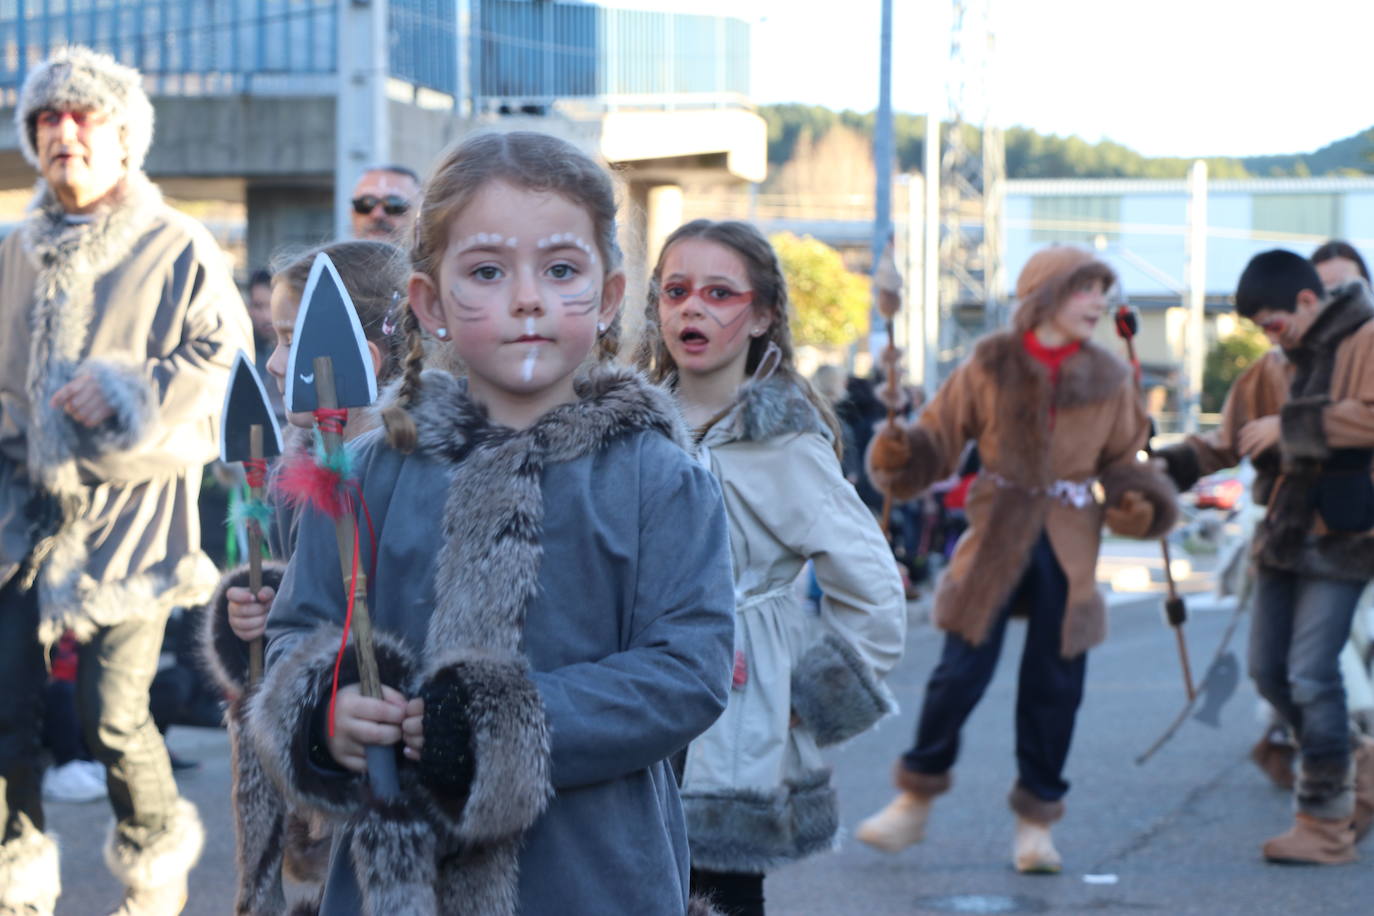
(1302,433)
(1157,489)
(167,857)
(835,694)
(698,905)
(752,830)
(926,785)
(223,655)
(919,472)
(130,393)
(1326,788)
(489,772)
(1181,464)
(283,710)
(394,854)
(1035,810)
(29,877)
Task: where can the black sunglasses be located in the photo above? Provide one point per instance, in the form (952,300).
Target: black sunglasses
(392,204)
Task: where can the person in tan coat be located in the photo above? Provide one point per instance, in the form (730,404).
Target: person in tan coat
(1304,415)
(1059,425)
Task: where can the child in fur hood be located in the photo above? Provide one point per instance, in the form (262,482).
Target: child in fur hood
(550,587)
(1052,414)
(270,838)
(756,790)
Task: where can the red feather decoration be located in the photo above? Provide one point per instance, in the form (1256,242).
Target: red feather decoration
(303,481)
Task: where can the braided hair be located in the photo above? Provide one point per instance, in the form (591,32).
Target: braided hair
(524,159)
(770,300)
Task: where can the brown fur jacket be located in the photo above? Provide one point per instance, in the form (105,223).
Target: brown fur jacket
(1001,397)
(1321,510)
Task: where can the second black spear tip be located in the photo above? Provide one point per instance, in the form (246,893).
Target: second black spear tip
(1176,611)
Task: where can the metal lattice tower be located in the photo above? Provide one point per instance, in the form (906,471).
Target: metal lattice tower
(972,184)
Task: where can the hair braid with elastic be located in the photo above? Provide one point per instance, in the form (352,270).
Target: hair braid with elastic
(400,427)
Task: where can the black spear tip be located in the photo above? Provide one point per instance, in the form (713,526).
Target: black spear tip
(1127,321)
(1175,610)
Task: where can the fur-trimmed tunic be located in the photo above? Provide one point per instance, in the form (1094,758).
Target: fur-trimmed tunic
(1316,480)
(1001,396)
(756,789)
(141,297)
(563,594)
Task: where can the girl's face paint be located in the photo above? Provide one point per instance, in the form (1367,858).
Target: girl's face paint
(705,309)
(521,294)
(284,305)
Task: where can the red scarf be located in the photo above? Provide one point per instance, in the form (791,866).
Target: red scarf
(1052,358)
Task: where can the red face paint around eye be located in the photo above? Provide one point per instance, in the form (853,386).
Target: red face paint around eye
(712,294)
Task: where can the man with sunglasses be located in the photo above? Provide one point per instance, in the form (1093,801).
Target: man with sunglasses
(119,322)
(1304,415)
(382,198)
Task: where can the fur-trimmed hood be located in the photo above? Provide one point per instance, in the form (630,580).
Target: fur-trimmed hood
(765,408)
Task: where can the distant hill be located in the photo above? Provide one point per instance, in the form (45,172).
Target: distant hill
(1031,154)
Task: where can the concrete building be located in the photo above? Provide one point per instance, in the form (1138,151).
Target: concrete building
(280,104)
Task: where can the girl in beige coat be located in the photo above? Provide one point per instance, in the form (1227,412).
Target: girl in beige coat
(756,792)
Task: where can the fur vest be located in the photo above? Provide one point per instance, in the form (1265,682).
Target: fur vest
(1053,456)
(755,786)
(512,711)
(140,298)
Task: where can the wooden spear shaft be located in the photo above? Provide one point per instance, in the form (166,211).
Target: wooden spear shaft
(255,496)
(346,532)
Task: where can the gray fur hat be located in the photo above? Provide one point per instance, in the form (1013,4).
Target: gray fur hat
(75,78)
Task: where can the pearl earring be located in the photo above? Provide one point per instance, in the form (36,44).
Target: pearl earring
(441,333)
(757,332)
(601,327)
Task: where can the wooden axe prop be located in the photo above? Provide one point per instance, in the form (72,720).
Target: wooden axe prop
(249,435)
(329,370)
(1127,326)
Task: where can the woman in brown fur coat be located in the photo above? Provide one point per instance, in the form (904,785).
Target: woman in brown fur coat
(1057,419)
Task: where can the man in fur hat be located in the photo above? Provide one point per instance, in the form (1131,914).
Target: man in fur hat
(119,322)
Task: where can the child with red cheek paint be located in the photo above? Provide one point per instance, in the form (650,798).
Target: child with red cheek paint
(717,335)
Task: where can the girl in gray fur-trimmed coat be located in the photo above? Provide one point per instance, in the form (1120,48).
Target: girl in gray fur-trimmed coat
(756,790)
(551,597)
(269,838)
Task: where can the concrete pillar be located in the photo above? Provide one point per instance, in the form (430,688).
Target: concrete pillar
(662,214)
(363,136)
(283,218)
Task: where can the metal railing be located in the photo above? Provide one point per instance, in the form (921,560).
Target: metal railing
(520,54)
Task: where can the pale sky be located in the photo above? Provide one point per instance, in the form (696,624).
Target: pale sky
(1164,77)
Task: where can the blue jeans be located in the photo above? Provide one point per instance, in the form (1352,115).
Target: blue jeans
(1301,623)
(1048,693)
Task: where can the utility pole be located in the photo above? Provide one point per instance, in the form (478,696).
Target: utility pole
(883,156)
(361,130)
(1194,340)
(930,258)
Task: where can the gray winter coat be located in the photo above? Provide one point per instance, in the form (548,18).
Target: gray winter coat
(561,593)
(140,296)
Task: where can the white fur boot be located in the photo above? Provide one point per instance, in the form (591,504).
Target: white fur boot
(154,876)
(29,877)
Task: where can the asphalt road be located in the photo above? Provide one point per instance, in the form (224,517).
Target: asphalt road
(1179,835)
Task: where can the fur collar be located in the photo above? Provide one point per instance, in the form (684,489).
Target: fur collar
(1090,376)
(488,564)
(99,244)
(1348,309)
(766,408)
